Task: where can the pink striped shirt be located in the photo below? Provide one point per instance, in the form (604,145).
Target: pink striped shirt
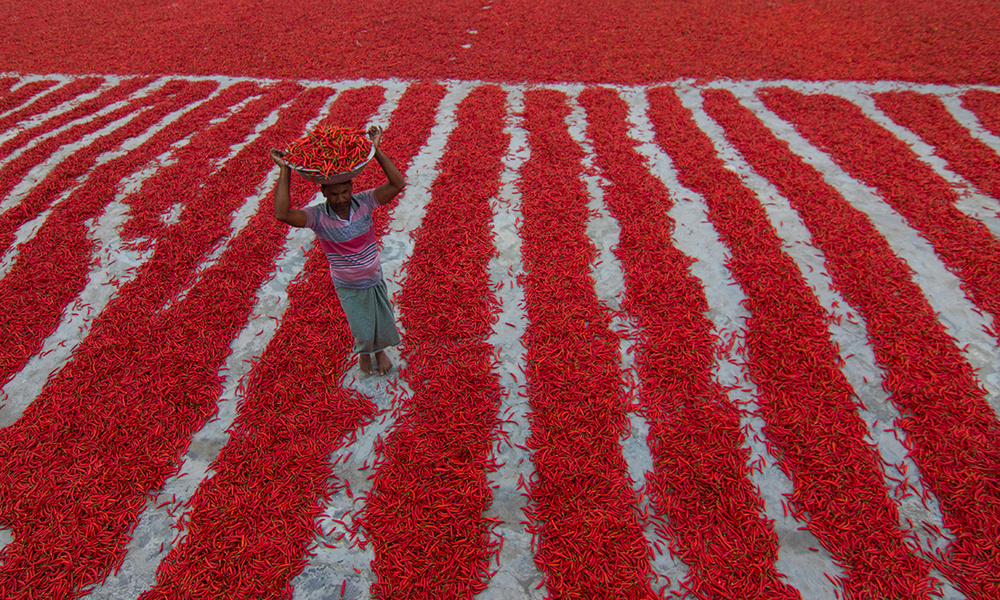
(350,245)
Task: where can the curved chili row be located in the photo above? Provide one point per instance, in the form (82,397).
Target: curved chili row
(11,100)
(69,91)
(927,116)
(986,105)
(70,169)
(193,164)
(950,428)
(873,155)
(582,508)
(701,482)
(805,400)
(119,92)
(424,513)
(109,428)
(50,269)
(5,84)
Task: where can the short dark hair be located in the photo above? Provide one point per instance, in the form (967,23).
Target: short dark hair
(348,182)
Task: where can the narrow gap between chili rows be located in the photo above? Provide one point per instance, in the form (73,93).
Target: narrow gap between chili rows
(954,103)
(604,230)
(517,577)
(609,284)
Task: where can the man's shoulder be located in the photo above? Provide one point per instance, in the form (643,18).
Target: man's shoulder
(365,197)
(321,209)
(315,213)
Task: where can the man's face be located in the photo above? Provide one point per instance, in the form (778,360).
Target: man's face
(337,193)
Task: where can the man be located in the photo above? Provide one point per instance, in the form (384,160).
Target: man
(343,226)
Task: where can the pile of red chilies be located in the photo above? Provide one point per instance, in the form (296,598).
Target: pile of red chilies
(329,150)
(908,40)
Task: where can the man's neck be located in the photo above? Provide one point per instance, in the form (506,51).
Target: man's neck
(344,212)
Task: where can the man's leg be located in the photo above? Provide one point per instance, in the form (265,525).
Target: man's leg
(356,305)
(386,333)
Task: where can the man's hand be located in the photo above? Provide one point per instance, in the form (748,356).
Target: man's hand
(278,157)
(375,133)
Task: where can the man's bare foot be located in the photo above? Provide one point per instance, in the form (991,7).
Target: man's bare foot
(365,364)
(384,364)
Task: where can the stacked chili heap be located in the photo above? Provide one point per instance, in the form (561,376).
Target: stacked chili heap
(329,150)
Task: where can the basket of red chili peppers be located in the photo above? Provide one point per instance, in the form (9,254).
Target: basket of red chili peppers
(330,154)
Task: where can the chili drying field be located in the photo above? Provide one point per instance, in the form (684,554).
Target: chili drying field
(736,339)
(698,299)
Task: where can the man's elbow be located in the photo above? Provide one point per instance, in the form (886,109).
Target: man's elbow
(398,187)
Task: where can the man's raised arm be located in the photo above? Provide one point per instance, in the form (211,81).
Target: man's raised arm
(282,197)
(387,191)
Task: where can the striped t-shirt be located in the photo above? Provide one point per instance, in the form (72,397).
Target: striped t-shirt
(350,246)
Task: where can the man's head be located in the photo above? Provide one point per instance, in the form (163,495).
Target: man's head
(337,193)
